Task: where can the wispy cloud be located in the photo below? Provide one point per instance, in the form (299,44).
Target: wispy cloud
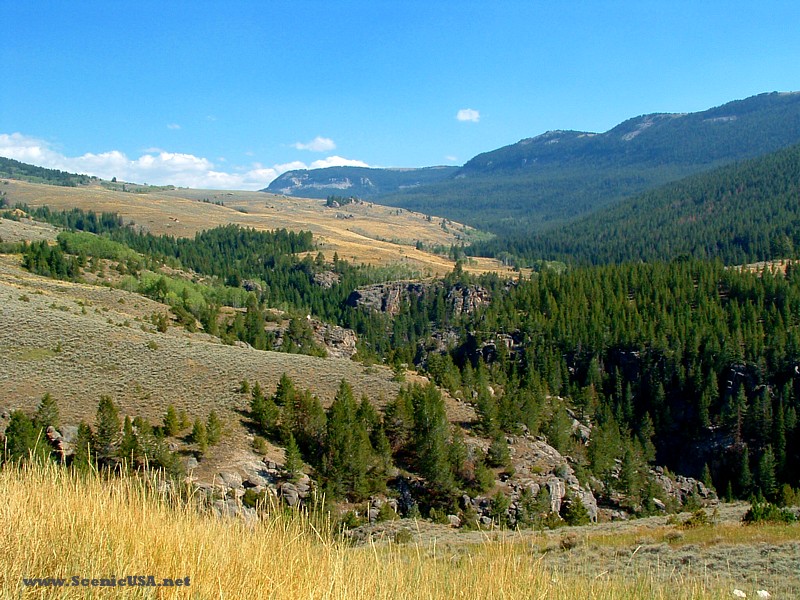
(318,144)
(468,114)
(173,126)
(157,166)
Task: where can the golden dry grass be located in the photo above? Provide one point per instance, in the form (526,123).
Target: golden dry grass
(60,525)
(362,233)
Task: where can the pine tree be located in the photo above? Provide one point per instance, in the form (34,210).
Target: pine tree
(347,447)
(200,436)
(129,450)
(107,428)
(171,424)
(744,477)
(498,455)
(431,434)
(293,464)
(213,428)
(705,477)
(574,511)
(23,439)
(767,481)
(263,411)
(83,458)
(310,425)
(47,413)
(779,439)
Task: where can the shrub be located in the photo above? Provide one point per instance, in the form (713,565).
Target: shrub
(403,536)
(766,512)
(386,513)
(699,518)
(575,512)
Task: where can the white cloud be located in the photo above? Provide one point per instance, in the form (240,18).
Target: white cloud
(468,114)
(334,161)
(156,166)
(451,158)
(173,126)
(318,144)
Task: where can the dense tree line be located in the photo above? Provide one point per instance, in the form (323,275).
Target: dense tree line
(112,443)
(657,357)
(13,169)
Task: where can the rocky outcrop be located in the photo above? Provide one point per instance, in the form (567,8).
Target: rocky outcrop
(385,297)
(338,341)
(681,488)
(389,297)
(466,299)
(326,279)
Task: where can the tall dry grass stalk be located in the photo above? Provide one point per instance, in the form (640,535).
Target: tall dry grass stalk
(59,524)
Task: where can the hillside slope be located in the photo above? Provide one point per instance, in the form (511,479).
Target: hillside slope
(360,232)
(739,213)
(79,341)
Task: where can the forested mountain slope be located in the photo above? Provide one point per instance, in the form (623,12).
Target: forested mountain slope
(740,213)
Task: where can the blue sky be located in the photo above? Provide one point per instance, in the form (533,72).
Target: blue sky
(231,94)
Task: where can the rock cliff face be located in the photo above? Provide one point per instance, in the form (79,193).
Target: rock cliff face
(338,341)
(466,299)
(385,297)
(389,297)
(537,465)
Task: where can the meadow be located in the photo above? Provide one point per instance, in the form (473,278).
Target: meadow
(124,526)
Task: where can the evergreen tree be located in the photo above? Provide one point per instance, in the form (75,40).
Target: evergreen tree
(83,458)
(310,425)
(347,452)
(431,436)
(200,436)
(23,439)
(705,477)
(293,463)
(263,411)
(129,450)
(744,477)
(498,455)
(574,511)
(47,413)
(213,428)
(767,481)
(107,428)
(171,423)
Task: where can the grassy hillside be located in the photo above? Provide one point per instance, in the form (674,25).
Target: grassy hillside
(79,341)
(360,233)
(14,169)
(112,529)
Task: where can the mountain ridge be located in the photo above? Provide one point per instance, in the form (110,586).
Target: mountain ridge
(559,175)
